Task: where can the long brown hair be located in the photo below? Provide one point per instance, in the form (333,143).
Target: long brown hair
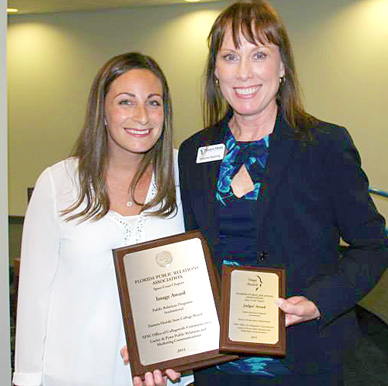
(91,148)
(256,20)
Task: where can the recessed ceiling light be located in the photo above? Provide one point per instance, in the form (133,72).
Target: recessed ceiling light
(192,1)
(12,10)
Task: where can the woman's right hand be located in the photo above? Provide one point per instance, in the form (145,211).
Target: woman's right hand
(156,378)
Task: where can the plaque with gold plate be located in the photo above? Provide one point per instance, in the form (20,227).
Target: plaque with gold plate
(169,296)
(251,323)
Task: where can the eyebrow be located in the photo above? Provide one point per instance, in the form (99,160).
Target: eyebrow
(234,48)
(134,96)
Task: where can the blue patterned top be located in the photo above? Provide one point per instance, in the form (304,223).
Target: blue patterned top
(253,155)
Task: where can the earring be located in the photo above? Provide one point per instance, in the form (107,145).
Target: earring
(217,82)
(281,80)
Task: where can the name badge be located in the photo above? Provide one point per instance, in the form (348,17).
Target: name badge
(210,153)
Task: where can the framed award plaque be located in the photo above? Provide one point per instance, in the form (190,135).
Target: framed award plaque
(251,323)
(169,296)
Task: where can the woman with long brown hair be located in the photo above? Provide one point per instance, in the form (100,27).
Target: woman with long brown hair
(120,187)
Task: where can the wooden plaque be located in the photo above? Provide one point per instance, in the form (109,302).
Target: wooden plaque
(169,297)
(251,323)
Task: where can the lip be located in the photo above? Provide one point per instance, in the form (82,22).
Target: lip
(139,133)
(246,92)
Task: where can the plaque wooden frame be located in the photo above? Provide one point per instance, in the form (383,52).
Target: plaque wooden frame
(184,363)
(231,346)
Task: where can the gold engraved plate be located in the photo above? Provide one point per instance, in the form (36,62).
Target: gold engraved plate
(253,315)
(173,308)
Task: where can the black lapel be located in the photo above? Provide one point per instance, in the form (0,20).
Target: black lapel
(208,178)
(281,145)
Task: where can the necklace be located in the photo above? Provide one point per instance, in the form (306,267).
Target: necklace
(129,203)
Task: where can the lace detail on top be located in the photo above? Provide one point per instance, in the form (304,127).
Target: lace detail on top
(152,189)
(139,235)
(134,226)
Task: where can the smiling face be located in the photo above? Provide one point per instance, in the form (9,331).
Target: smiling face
(249,75)
(134,113)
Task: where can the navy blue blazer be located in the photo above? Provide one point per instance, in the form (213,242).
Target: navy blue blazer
(314,192)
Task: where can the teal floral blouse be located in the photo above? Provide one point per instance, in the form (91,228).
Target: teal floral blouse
(253,155)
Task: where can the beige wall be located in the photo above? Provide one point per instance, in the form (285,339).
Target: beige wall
(340,48)
(5,360)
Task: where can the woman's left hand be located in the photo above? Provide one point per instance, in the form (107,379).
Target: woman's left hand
(156,378)
(298,309)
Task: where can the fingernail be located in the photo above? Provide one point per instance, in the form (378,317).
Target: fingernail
(278,302)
